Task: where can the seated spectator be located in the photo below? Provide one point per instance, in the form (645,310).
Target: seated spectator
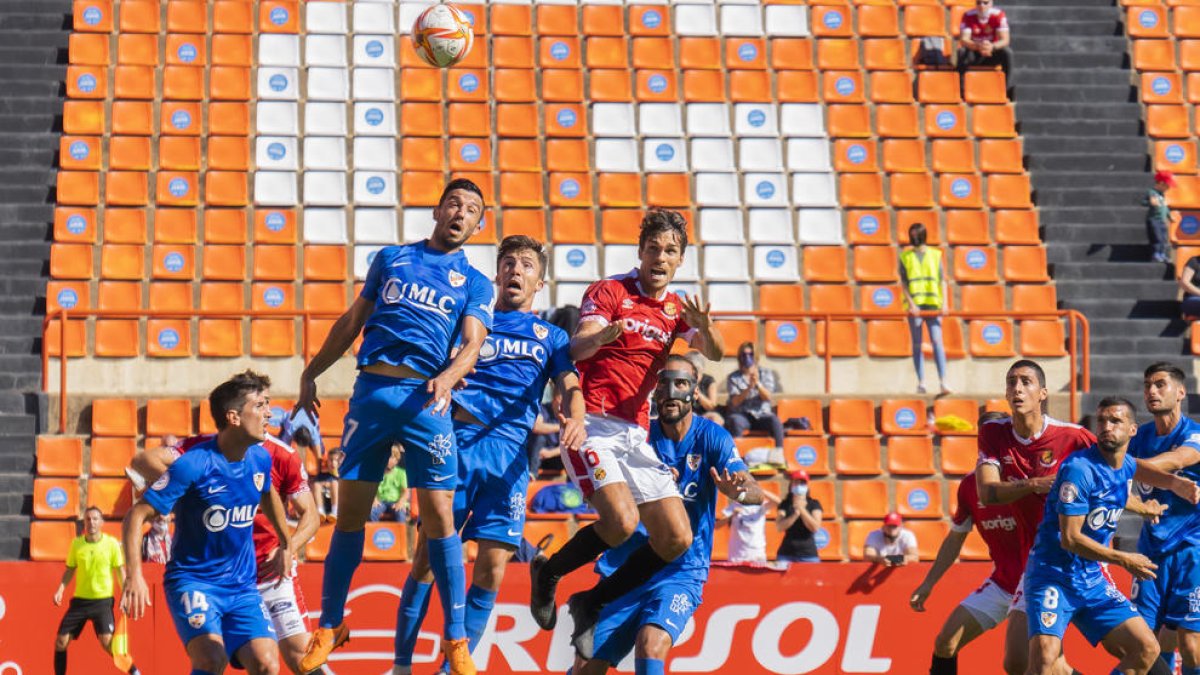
(748,529)
(705,403)
(312,454)
(983,39)
(559,498)
(156,545)
(542,447)
(391,499)
(799,520)
(892,545)
(1159,216)
(324,485)
(751,389)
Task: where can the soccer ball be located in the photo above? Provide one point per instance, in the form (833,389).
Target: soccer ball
(442,35)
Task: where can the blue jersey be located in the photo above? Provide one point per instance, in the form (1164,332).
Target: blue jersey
(421,297)
(1085,486)
(520,355)
(705,445)
(214,501)
(1181,523)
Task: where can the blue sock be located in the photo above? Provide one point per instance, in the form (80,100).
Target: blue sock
(1189,671)
(345,553)
(414,602)
(648,667)
(446,560)
(480,602)
(197,671)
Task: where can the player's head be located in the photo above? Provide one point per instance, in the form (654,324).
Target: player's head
(93,520)
(520,272)
(242,403)
(661,245)
(676,389)
(458,214)
(1164,387)
(1025,388)
(1116,423)
(917,234)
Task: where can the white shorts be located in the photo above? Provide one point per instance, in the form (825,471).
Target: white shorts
(988,604)
(285,605)
(1018,597)
(616,451)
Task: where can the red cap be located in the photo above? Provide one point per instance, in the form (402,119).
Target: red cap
(799,474)
(1164,177)
(893,518)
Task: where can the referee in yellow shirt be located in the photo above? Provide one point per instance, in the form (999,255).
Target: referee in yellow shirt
(94,557)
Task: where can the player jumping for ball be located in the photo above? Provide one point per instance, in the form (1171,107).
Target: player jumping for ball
(627,324)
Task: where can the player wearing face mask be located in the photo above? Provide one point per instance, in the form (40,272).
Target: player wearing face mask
(800,521)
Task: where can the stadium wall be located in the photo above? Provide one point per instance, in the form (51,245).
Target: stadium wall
(819,618)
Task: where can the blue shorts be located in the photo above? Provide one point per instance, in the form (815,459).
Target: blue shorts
(385,410)
(204,609)
(1173,598)
(667,604)
(1050,605)
(493,474)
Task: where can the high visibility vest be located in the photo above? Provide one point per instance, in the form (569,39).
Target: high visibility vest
(924,276)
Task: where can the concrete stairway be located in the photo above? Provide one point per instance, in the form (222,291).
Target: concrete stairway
(33,54)
(1079,115)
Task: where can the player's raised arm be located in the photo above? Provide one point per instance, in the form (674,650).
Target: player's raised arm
(1175,459)
(1073,540)
(341,338)
(707,338)
(591,336)
(135,594)
(272,508)
(474,333)
(993,490)
(946,555)
(572,409)
(739,486)
(1150,474)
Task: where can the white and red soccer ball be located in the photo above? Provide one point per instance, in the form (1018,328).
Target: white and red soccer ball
(442,35)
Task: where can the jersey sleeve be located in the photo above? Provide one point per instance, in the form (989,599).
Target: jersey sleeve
(962,521)
(987,452)
(1074,485)
(725,457)
(1192,441)
(71,558)
(264,461)
(370,289)
(600,303)
(560,355)
(291,477)
(1002,21)
(479,299)
(172,485)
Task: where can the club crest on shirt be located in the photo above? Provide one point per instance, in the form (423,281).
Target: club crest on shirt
(162,482)
(196,620)
(600,474)
(1046,458)
(540,331)
(457,279)
(1067,492)
(1049,619)
(627,304)
(693,461)
(259,479)
(670,309)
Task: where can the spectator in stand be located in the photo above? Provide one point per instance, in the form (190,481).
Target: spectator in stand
(751,389)
(748,529)
(923,280)
(542,446)
(310,446)
(1159,215)
(391,499)
(156,545)
(983,39)
(325,486)
(892,545)
(705,404)
(799,520)
(1189,281)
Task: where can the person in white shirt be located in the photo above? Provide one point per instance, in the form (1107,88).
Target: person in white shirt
(747,529)
(891,545)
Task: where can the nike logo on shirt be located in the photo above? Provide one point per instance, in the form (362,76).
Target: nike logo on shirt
(214,489)
(439,479)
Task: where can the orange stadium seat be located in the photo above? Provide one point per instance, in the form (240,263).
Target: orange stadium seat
(888,338)
(862,499)
(788,408)
(845,120)
(557,530)
(1034,298)
(114,417)
(875,264)
(59,456)
(878,21)
(991,338)
(56,498)
(902,417)
(930,534)
(1146,22)
(959,455)
(113,496)
(786,339)
(169,416)
(974,548)
(825,264)
(1042,338)
(111,455)
(861,190)
(925,20)
(789,53)
(985,86)
(886,54)
(965,409)
(911,191)
(993,121)
(95,16)
(1025,264)
(386,541)
(938,86)
(50,540)
(953,156)
(809,454)
(857,456)
(965,227)
(318,547)
(975,264)
(910,455)
(897,121)
(851,417)
(1000,156)
(919,498)
(904,156)
(1154,55)
(829,538)
(845,337)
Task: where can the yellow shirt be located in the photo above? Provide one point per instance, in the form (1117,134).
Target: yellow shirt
(94,564)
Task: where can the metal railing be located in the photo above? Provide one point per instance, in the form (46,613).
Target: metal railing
(1078,336)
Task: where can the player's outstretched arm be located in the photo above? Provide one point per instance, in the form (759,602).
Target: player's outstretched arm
(152,464)
(571,412)
(1175,459)
(946,555)
(707,338)
(591,336)
(1152,475)
(341,338)
(135,594)
(993,490)
(1149,509)
(474,332)
(739,486)
(1074,541)
(272,508)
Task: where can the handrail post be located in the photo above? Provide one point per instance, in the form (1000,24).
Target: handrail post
(62,373)
(1072,353)
(828,355)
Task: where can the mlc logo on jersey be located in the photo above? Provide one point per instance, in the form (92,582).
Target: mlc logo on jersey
(419,296)
(217,517)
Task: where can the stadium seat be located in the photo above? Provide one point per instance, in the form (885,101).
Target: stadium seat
(114,417)
(1153,55)
(974,548)
(824,264)
(902,417)
(111,455)
(911,191)
(789,408)
(991,338)
(786,339)
(981,298)
(985,87)
(851,417)
(113,496)
(1025,264)
(897,121)
(844,336)
(953,156)
(386,541)
(904,156)
(865,499)
(881,299)
(964,409)
(536,530)
(930,534)
(959,455)
(975,264)
(857,456)
(829,538)
(318,547)
(1042,338)
(888,338)
(50,540)
(1034,298)
(59,456)
(910,455)
(993,121)
(919,498)
(809,454)
(938,86)
(168,416)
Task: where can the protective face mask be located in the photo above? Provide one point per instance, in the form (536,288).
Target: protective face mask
(800,490)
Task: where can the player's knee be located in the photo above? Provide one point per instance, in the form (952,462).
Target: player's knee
(265,663)
(1145,648)
(945,645)
(61,642)
(674,545)
(210,661)
(620,527)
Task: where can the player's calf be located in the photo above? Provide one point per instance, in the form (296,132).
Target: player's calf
(1016,644)
(1044,652)
(207,654)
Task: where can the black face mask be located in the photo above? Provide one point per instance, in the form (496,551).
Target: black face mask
(675,385)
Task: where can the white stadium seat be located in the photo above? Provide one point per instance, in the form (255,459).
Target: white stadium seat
(575,263)
(374,153)
(725,263)
(814,189)
(755,119)
(666,155)
(276,153)
(760,154)
(613,119)
(325,50)
(321,118)
(322,188)
(771,226)
(808,154)
(712,154)
(801,119)
(375,188)
(764,189)
(819,226)
(326,17)
(776,263)
(324,153)
(328,84)
(374,84)
(708,119)
(376,226)
(660,119)
(717,189)
(277,49)
(275,188)
(325,226)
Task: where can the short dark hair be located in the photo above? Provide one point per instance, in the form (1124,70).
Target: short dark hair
(232,393)
(520,242)
(460,184)
(93,508)
(1032,365)
(680,358)
(302,437)
(917,235)
(1117,401)
(658,221)
(748,344)
(990,416)
(1170,369)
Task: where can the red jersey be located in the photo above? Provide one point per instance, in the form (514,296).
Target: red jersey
(1016,458)
(998,527)
(287,475)
(617,379)
(979,28)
